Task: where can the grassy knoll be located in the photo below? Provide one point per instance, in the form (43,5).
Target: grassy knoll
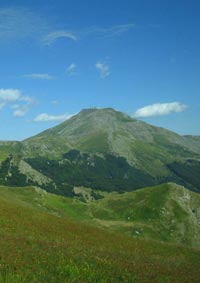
(40,241)
(167,212)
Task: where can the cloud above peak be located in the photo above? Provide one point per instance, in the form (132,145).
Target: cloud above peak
(160,109)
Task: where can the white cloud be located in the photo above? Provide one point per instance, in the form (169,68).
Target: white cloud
(71,69)
(9,95)
(44,117)
(160,109)
(28,99)
(104,69)
(51,37)
(16,100)
(20,110)
(38,76)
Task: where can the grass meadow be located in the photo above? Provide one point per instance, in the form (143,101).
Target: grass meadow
(37,246)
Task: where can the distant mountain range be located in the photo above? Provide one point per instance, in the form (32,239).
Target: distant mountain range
(102,149)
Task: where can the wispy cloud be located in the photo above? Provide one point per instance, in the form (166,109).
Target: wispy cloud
(103,68)
(55,102)
(19,23)
(71,69)
(16,100)
(44,117)
(160,109)
(38,76)
(20,110)
(112,31)
(52,37)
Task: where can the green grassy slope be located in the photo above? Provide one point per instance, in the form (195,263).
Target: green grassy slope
(37,246)
(9,147)
(167,212)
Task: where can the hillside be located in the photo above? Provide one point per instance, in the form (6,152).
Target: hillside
(167,212)
(9,147)
(44,238)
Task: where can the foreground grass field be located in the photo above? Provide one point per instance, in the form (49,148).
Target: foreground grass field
(43,243)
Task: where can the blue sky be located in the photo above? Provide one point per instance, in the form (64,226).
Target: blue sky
(140,57)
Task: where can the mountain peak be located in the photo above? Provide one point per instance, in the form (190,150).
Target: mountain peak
(108,131)
(101,111)
(97,109)
(103,114)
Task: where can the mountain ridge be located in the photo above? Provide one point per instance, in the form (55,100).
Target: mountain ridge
(110,122)
(109,131)
(105,149)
